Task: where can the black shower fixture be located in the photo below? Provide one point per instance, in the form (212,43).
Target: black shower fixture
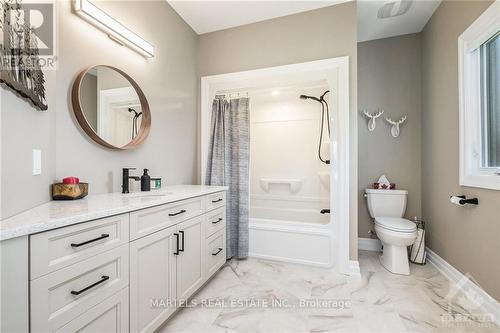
(324,104)
(135,127)
(310,97)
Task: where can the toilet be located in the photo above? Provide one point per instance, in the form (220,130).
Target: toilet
(387,207)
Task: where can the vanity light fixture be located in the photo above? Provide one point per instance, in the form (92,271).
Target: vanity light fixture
(115,30)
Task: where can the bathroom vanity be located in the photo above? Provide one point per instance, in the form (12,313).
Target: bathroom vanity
(110,262)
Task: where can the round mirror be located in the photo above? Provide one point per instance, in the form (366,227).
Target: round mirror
(111,108)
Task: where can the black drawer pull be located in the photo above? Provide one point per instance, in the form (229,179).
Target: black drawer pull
(218,200)
(176,244)
(89,241)
(182,241)
(103,278)
(218,251)
(215,222)
(179,212)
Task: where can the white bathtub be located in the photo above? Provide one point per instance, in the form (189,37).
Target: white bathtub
(299,235)
(292,215)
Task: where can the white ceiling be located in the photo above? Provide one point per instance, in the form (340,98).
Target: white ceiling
(370,27)
(207,15)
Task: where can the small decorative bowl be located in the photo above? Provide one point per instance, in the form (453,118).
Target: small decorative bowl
(61,191)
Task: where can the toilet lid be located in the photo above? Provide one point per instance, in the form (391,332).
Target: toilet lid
(396,224)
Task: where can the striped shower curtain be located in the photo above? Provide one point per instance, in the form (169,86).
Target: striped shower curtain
(228,165)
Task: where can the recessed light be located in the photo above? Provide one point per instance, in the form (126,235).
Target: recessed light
(275,93)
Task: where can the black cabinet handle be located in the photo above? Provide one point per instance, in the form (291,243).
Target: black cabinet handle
(218,251)
(218,200)
(90,241)
(103,279)
(176,244)
(179,212)
(182,241)
(215,222)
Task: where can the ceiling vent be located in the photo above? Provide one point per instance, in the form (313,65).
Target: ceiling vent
(394,8)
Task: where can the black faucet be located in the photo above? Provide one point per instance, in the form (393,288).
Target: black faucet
(126,177)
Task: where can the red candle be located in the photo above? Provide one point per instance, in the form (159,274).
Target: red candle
(71,180)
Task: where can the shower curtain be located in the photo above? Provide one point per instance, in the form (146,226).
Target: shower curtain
(228,165)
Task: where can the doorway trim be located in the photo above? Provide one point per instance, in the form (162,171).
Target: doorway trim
(336,72)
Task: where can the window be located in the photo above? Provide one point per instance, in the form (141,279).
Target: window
(490,102)
(479,87)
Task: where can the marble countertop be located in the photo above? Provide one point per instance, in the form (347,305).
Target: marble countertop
(56,214)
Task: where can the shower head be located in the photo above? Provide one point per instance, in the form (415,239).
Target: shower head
(320,99)
(309,97)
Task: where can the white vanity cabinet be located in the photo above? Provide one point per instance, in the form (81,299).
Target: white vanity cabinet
(152,279)
(128,272)
(190,260)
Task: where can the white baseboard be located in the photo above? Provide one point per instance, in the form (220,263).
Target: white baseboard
(369,244)
(489,304)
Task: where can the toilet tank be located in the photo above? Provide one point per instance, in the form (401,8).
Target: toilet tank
(386,203)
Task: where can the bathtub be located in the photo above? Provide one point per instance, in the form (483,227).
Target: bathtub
(290,215)
(295,232)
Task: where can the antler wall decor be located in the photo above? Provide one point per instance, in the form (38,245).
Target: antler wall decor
(371,122)
(395,126)
(20,68)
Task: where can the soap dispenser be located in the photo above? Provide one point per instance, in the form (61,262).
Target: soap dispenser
(145,181)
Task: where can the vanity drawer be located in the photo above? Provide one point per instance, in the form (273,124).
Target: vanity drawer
(62,247)
(215,221)
(215,200)
(147,221)
(59,297)
(215,252)
(110,316)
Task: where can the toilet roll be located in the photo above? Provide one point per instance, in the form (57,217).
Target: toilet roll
(456,200)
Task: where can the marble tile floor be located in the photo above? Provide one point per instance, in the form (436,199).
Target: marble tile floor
(263,296)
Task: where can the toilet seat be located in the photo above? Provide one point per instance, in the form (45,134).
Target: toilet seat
(395,224)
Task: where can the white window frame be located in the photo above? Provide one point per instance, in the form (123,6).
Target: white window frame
(469,70)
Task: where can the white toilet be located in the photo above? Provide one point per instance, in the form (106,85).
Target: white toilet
(387,207)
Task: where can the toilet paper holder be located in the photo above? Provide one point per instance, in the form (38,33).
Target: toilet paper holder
(462,200)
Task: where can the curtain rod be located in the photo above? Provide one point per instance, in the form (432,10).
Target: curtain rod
(232,95)
(268,88)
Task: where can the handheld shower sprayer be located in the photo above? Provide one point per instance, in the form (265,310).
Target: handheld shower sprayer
(135,125)
(310,97)
(324,104)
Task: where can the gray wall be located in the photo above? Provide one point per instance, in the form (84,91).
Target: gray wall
(467,238)
(24,129)
(389,78)
(169,82)
(325,33)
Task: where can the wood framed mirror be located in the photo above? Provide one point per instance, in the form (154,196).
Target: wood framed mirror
(110,107)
